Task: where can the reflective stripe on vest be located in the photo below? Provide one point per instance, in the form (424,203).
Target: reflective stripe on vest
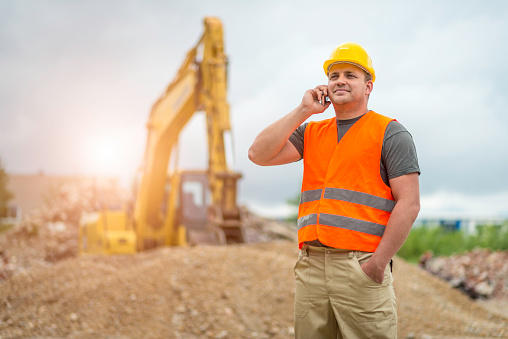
(360,198)
(311,195)
(350,196)
(342,222)
(310,219)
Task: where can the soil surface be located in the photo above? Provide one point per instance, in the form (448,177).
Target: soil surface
(239,291)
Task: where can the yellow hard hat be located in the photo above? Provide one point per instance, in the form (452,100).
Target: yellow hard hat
(350,53)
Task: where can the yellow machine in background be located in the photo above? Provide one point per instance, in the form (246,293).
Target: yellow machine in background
(173,207)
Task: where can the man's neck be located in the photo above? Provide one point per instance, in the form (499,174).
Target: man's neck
(342,113)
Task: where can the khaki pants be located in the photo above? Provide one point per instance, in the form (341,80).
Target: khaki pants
(336,299)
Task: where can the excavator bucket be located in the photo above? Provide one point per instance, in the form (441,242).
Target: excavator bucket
(209,236)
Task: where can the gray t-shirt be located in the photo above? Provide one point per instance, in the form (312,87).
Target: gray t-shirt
(398,155)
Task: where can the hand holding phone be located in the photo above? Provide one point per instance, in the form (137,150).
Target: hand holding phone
(324,99)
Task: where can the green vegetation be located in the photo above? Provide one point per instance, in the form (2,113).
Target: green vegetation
(5,194)
(445,242)
(293,202)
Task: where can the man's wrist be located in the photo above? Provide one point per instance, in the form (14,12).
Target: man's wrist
(303,112)
(379,261)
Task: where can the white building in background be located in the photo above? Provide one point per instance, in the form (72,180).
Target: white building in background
(13,214)
(467,224)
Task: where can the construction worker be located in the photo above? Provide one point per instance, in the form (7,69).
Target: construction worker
(359,199)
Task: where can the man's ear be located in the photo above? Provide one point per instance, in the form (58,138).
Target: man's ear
(369,86)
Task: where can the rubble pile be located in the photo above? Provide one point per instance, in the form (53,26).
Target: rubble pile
(480,273)
(71,200)
(50,233)
(259,229)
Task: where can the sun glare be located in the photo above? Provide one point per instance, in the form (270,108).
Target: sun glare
(105,152)
(104,156)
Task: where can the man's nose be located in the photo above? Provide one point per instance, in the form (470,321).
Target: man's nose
(341,79)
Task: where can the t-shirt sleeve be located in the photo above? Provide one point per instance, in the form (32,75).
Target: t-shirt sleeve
(399,152)
(297,138)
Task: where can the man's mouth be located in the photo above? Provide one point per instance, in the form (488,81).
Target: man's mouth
(340,90)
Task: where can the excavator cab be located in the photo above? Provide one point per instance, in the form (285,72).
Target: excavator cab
(194,202)
(203,222)
(193,209)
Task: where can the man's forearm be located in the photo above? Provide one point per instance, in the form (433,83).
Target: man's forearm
(272,139)
(406,192)
(397,230)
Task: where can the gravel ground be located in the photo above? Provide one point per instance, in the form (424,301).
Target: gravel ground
(241,291)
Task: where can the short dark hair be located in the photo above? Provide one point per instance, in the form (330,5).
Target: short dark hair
(368,77)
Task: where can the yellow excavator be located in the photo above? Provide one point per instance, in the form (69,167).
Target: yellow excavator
(173,207)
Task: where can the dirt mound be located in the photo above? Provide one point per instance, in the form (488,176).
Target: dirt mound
(241,291)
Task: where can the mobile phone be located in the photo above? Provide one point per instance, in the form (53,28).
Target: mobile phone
(324,100)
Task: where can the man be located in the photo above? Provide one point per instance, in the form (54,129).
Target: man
(360,197)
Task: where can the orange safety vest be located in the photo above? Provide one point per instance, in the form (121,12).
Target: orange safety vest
(344,202)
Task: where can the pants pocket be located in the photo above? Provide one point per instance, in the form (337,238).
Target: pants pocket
(302,291)
(364,257)
(370,301)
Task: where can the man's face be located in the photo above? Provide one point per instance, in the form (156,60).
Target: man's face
(347,85)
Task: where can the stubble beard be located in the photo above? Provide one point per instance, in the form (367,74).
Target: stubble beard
(344,106)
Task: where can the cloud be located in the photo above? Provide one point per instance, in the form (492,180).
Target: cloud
(459,205)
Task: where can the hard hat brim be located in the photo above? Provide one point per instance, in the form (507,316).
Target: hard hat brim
(329,63)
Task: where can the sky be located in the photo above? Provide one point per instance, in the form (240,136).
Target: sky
(78,79)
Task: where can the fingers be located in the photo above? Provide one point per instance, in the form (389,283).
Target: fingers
(314,99)
(323,89)
(319,93)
